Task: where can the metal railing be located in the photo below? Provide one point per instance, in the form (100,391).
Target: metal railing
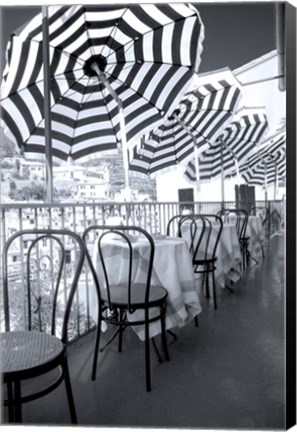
(153,216)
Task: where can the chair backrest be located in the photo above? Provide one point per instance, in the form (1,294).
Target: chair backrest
(173,225)
(238,217)
(109,248)
(212,226)
(262,212)
(41,269)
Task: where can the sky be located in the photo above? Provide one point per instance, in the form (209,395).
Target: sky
(235,33)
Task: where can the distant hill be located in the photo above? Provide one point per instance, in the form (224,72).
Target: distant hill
(114,162)
(7,147)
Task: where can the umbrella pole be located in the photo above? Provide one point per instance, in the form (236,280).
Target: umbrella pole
(47,107)
(122,124)
(265,184)
(275,181)
(187,129)
(237,172)
(197,168)
(222,174)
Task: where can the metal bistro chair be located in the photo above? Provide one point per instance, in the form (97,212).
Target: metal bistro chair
(174,224)
(206,231)
(240,218)
(263,214)
(35,343)
(174,229)
(118,302)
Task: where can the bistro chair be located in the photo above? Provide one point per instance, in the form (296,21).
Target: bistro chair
(119,302)
(205,232)
(41,269)
(263,214)
(174,225)
(239,217)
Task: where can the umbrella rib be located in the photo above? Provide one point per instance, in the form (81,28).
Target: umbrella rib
(38,82)
(38,124)
(146,33)
(76,120)
(108,113)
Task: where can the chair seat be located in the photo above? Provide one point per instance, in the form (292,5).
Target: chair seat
(118,295)
(27,352)
(201,259)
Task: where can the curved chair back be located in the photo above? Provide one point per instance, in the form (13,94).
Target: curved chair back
(174,225)
(41,269)
(262,212)
(238,217)
(101,265)
(212,226)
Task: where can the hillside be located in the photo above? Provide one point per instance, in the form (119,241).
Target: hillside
(23,186)
(114,162)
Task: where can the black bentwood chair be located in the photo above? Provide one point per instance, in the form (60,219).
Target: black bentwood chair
(174,225)
(118,302)
(37,264)
(205,231)
(239,217)
(263,214)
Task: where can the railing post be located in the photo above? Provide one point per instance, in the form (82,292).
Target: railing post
(269,217)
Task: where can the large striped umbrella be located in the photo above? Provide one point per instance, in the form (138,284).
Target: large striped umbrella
(232,147)
(268,164)
(115,72)
(200,117)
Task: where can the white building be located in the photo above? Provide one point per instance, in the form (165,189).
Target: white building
(77,172)
(34,169)
(90,191)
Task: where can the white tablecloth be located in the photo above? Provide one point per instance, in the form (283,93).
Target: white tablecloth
(255,233)
(172,269)
(228,252)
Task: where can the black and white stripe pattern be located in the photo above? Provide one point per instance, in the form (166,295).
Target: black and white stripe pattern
(203,113)
(267,171)
(238,140)
(147,52)
(268,163)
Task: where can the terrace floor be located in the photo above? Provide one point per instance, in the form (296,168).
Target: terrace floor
(227,373)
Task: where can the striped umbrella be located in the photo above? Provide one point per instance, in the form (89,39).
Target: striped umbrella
(268,164)
(115,71)
(232,147)
(200,117)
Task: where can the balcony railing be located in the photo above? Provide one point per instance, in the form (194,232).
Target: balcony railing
(153,216)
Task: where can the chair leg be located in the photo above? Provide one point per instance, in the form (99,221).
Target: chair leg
(10,402)
(96,349)
(196,321)
(214,290)
(164,337)
(17,402)
(243,258)
(247,255)
(14,402)
(69,392)
(120,340)
(205,275)
(147,356)
(160,360)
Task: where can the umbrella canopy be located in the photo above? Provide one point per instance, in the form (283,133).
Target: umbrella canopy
(260,87)
(141,56)
(267,164)
(200,117)
(233,146)
(267,171)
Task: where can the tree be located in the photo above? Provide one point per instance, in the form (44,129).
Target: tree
(34,191)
